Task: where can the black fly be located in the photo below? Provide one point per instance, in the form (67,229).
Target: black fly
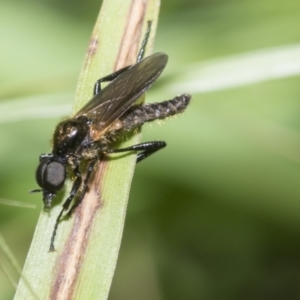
(98,125)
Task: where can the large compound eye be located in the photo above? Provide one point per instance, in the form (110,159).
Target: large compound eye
(51,176)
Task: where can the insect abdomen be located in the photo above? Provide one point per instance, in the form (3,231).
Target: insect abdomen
(141,114)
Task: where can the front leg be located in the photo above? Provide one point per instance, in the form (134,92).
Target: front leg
(66,205)
(84,186)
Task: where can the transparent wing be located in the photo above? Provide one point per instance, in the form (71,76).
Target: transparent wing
(117,97)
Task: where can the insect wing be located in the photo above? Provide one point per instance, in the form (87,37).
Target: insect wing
(117,97)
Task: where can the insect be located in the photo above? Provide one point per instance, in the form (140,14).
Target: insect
(98,125)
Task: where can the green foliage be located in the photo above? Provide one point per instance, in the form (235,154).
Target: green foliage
(216,214)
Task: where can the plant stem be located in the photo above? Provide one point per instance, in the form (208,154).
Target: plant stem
(88,243)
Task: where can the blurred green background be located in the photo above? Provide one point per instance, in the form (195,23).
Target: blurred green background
(216,215)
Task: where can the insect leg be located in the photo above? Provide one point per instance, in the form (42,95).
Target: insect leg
(144,43)
(147,149)
(110,77)
(75,188)
(84,187)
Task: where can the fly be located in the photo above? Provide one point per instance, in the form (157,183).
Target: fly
(98,125)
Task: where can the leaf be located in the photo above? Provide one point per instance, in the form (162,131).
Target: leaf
(88,243)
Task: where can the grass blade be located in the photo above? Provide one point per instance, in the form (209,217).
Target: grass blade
(88,243)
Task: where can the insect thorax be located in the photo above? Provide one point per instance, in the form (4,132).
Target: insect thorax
(70,135)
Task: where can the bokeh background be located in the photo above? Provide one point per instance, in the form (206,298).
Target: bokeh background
(216,215)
